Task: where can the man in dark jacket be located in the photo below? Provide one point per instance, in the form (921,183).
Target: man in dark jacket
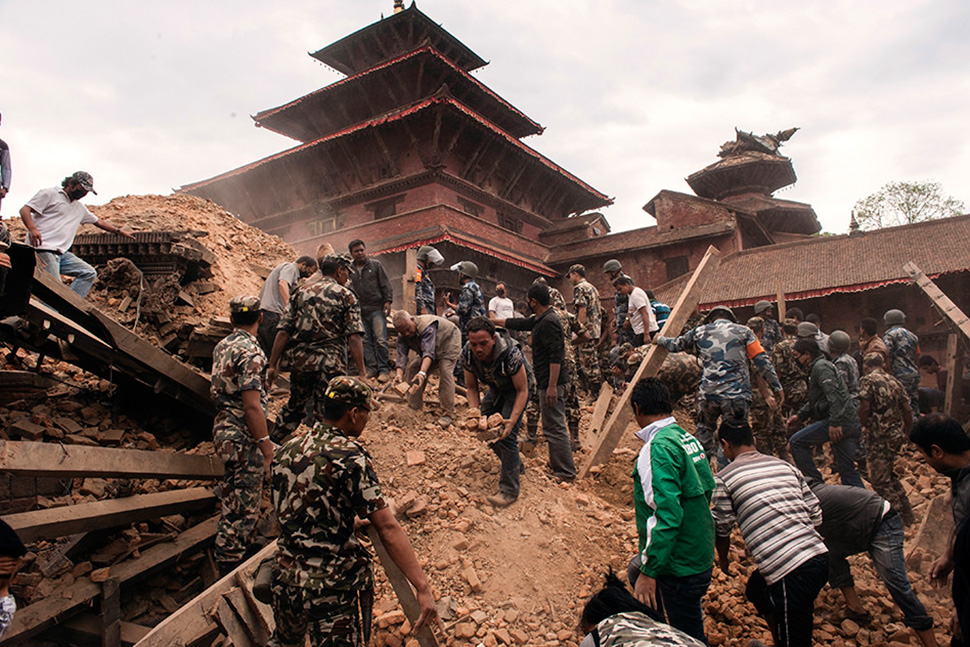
(375,294)
(855,520)
(835,417)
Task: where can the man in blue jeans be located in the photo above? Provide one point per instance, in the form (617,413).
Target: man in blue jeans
(855,520)
(375,293)
(494,360)
(835,418)
(52,218)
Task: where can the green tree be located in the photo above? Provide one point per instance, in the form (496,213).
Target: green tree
(903,203)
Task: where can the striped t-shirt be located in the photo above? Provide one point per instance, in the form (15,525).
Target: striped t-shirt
(775,509)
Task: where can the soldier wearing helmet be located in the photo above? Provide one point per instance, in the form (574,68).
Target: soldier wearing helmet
(903,347)
(586,300)
(724,348)
(471,301)
(424,295)
(848,368)
(772,331)
(621,301)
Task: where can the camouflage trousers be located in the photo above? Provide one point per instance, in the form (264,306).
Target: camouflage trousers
(884,446)
(242,490)
(708,412)
(770,431)
(306,402)
(911,384)
(331,617)
(588,369)
(533,412)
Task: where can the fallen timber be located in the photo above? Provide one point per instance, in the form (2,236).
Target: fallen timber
(622,416)
(98,344)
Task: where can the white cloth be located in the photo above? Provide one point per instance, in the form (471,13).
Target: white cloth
(502,307)
(639,299)
(8,606)
(57,218)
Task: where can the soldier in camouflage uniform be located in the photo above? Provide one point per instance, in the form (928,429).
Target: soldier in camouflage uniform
(318,326)
(621,302)
(724,348)
(770,430)
(680,372)
(791,374)
(322,482)
(848,368)
(424,295)
(772,335)
(586,300)
(903,347)
(239,435)
(884,410)
(471,300)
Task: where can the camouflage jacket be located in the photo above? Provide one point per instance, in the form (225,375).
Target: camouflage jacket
(471,303)
(772,335)
(321,482)
(886,396)
(724,348)
(238,364)
(849,371)
(570,327)
(793,378)
(621,304)
(903,349)
(636,629)
(319,318)
(556,299)
(587,296)
(424,293)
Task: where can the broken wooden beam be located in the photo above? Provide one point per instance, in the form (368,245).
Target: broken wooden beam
(89,626)
(35,618)
(24,458)
(85,517)
(194,620)
(600,410)
(622,415)
(942,302)
(399,582)
(954,372)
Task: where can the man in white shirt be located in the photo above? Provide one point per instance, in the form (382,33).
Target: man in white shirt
(500,306)
(52,218)
(639,315)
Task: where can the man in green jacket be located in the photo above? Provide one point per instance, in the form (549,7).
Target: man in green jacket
(834,414)
(672,486)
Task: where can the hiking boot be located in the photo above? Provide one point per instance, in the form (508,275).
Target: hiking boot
(383,378)
(501,500)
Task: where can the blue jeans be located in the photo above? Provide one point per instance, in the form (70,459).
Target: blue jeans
(70,265)
(679,598)
(376,356)
(817,433)
(506,449)
(886,551)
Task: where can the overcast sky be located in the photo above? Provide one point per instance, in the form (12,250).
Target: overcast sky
(635,95)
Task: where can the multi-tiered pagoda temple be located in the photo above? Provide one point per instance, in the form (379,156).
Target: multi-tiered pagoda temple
(409,149)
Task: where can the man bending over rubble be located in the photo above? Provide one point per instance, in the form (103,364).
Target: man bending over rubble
(239,435)
(437,344)
(494,360)
(323,483)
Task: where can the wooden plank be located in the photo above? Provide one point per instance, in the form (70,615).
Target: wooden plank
(409,278)
(250,619)
(599,411)
(85,517)
(111,613)
(231,624)
(622,416)
(781,308)
(89,625)
(193,621)
(402,588)
(24,458)
(41,615)
(942,302)
(262,613)
(953,374)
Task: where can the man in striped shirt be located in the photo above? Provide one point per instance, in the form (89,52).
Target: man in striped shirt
(777,514)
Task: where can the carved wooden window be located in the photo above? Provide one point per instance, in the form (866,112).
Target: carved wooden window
(385,208)
(510,222)
(676,266)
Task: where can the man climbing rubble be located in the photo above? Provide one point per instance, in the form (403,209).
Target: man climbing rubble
(319,326)
(275,295)
(323,482)
(492,359)
(586,300)
(903,347)
(239,435)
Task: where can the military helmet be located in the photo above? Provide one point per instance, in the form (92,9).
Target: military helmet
(468,269)
(725,312)
(761,306)
(894,317)
(807,329)
(612,265)
(245,303)
(839,341)
(430,254)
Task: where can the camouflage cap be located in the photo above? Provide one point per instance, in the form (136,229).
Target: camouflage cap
(350,390)
(340,260)
(579,269)
(245,303)
(85,180)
